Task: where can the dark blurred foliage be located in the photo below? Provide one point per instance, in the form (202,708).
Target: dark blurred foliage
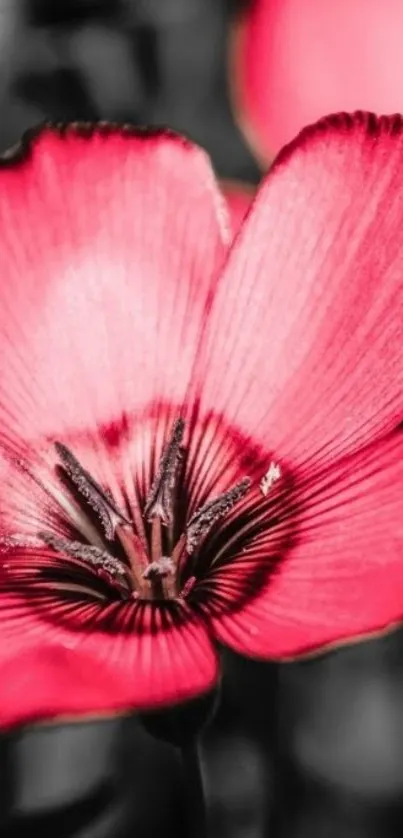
(308,750)
(94,779)
(69,12)
(145,61)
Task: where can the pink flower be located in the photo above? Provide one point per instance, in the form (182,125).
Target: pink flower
(199,443)
(296,60)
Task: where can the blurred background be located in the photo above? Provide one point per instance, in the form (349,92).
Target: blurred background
(309,749)
(144,61)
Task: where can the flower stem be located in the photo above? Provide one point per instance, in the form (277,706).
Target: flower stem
(196,806)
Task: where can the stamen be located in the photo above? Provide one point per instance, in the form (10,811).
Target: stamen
(163,567)
(152,553)
(270,478)
(87,553)
(20,540)
(205,517)
(188,586)
(156,540)
(161,497)
(100,501)
(134,552)
(80,521)
(179,550)
(76,515)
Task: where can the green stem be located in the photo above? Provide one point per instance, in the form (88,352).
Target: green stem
(195,794)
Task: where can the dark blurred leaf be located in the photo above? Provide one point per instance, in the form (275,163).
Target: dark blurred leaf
(61,95)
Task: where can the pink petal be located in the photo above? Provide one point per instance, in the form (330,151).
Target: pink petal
(296,60)
(110,243)
(343,576)
(62,656)
(239,197)
(302,352)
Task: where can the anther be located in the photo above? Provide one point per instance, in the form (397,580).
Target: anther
(88,554)
(271,477)
(161,497)
(204,518)
(100,501)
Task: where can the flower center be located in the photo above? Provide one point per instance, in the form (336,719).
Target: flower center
(143,556)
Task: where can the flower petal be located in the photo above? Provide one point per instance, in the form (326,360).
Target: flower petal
(299,59)
(302,351)
(239,197)
(110,242)
(343,576)
(62,656)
